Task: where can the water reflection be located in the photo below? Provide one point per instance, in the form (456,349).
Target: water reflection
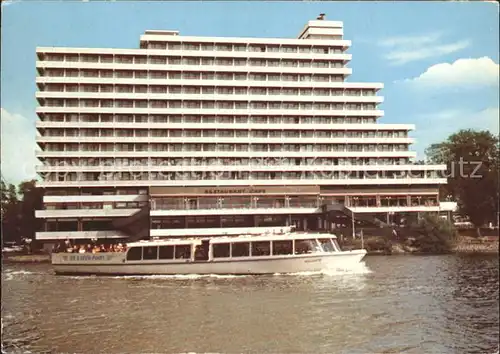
(445,304)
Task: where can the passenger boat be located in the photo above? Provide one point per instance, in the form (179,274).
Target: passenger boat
(247,254)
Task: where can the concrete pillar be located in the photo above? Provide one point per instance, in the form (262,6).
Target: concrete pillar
(388,218)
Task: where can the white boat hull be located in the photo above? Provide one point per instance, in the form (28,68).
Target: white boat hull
(115,264)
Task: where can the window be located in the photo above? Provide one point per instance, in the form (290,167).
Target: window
(221,250)
(305,246)
(149,252)
(240,249)
(262,248)
(134,254)
(327,245)
(182,251)
(166,252)
(282,247)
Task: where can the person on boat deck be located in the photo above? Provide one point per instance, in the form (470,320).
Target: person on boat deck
(200,252)
(82,249)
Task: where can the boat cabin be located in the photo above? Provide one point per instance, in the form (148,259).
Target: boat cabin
(228,248)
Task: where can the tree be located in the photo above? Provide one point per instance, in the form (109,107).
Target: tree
(10,213)
(32,199)
(18,215)
(472,164)
(433,234)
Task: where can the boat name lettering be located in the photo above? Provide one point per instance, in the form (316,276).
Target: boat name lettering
(313,260)
(235,191)
(87,257)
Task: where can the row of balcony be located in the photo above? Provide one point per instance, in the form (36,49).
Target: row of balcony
(158,50)
(241,169)
(143,182)
(198,104)
(334,136)
(207,63)
(220,75)
(206,111)
(243,176)
(196,95)
(139,153)
(208,90)
(248,202)
(229,162)
(217,122)
(202,203)
(222,147)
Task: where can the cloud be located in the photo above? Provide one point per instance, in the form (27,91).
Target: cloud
(437,126)
(463,72)
(410,40)
(9,2)
(18,147)
(405,49)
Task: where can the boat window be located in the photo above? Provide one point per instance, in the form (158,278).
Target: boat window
(240,249)
(182,251)
(221,250)
(282,247)
(150,253)
(166,252)
(305,246)
(134,254)
(336,244)
(327,244)
(262,248)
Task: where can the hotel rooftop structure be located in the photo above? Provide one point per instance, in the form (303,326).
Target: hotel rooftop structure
(212,135)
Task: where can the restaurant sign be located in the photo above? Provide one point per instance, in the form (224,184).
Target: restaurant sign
(235,191)
(240,190)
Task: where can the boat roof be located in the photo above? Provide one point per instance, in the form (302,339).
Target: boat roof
(271,237)
(226,239)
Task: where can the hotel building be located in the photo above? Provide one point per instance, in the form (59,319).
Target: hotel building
(213,135)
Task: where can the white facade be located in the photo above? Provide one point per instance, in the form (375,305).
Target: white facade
(185,111)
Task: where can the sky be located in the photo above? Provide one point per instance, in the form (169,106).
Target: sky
(438,61)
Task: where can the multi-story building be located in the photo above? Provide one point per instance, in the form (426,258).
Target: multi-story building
(208,135)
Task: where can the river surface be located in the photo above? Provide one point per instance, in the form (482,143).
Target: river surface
(393,304)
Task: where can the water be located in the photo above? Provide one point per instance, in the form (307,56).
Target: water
(394,304)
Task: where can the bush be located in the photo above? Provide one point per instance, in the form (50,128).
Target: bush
(434,235)
(379,243)
(371,244)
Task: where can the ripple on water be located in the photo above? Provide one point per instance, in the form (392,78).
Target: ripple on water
(445,304)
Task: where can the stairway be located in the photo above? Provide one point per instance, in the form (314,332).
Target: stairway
(339,212)
(135,226)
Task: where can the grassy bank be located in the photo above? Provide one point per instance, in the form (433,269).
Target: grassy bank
(380,245)
(467,244)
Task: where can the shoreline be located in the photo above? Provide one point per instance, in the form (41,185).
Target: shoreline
(465,246)
(25,258)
